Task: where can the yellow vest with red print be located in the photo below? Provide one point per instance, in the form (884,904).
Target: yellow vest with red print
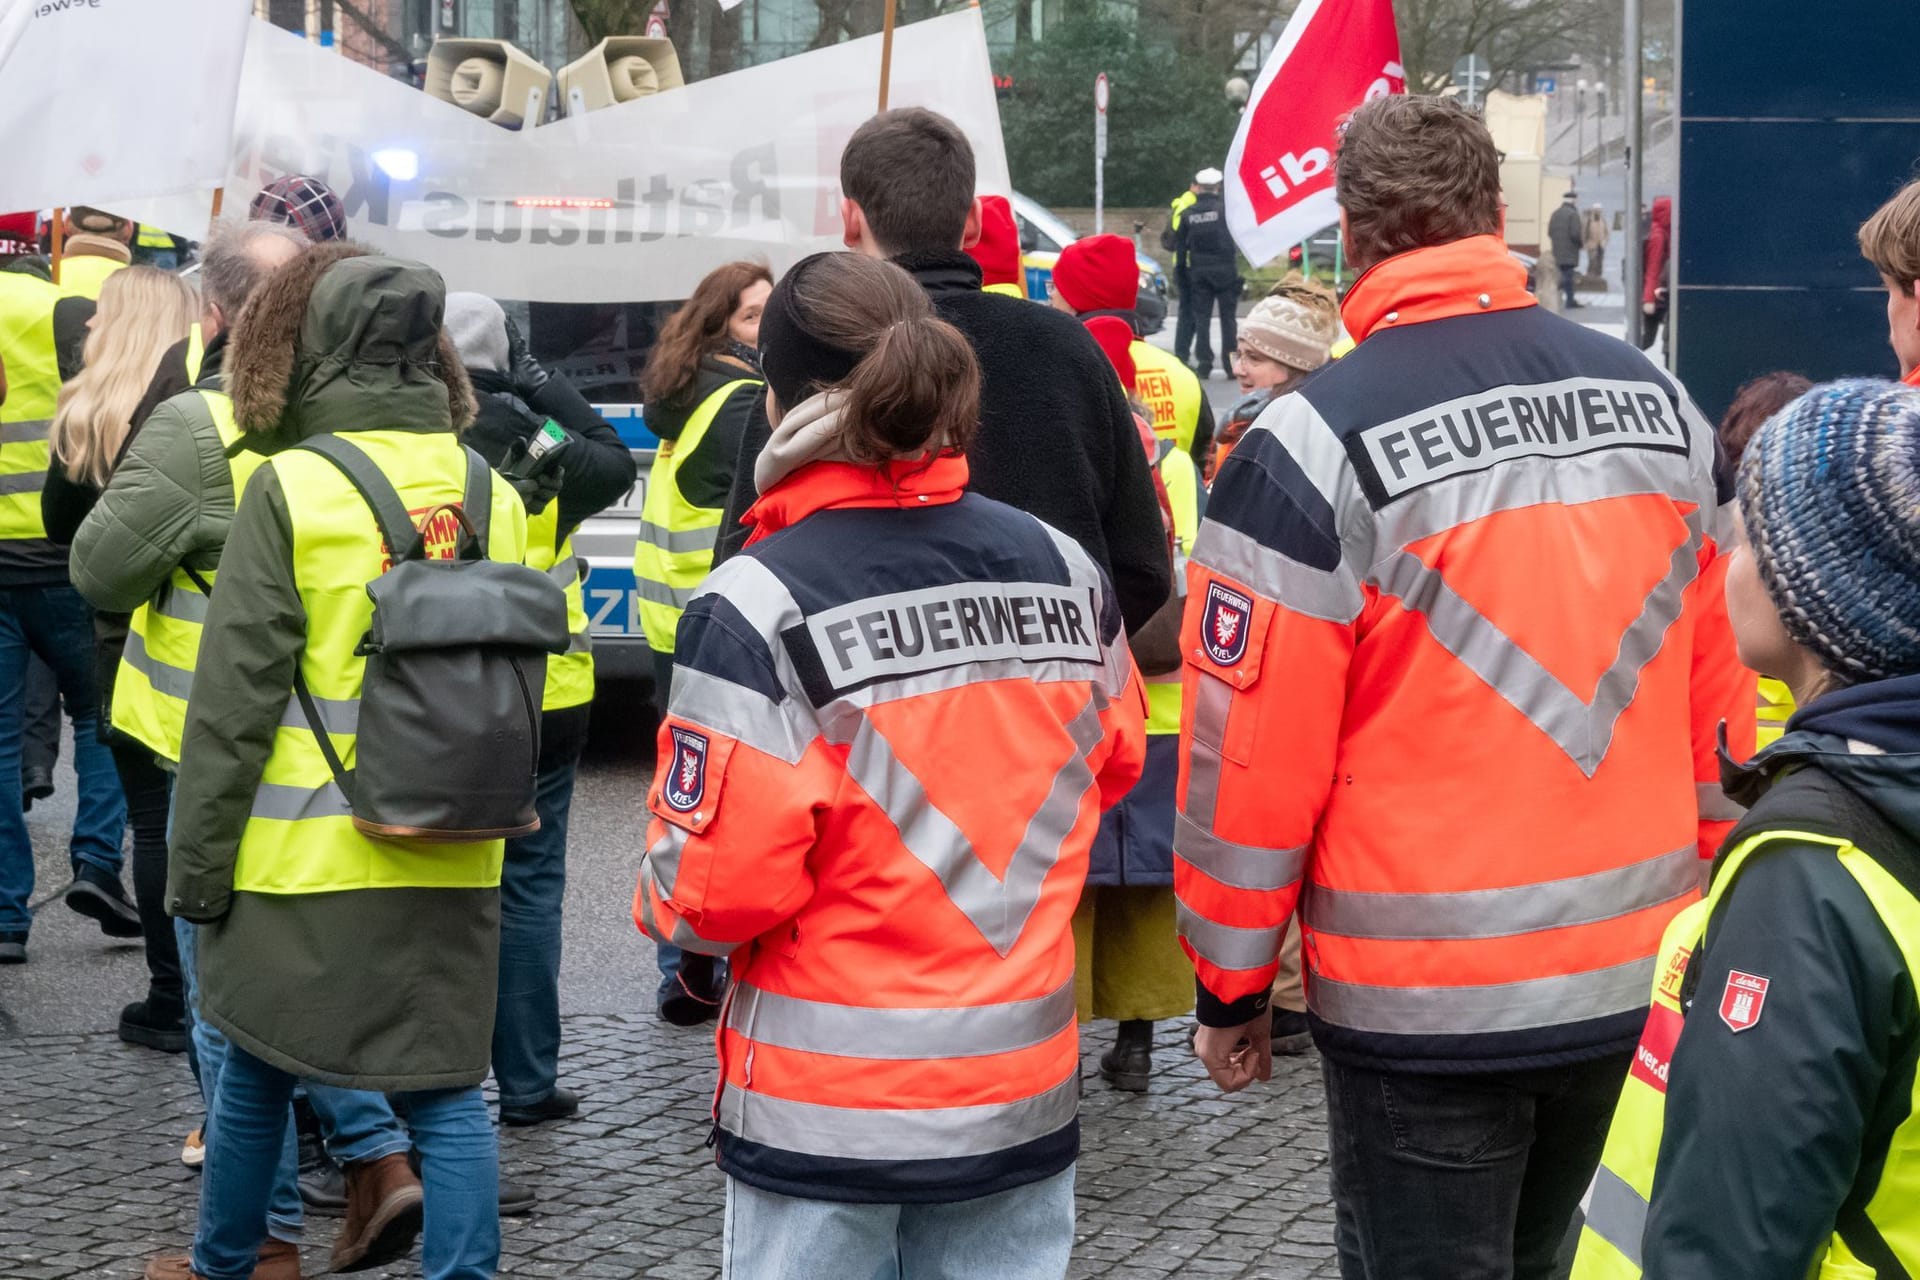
(1618,1200)
(1170,390)
(1182,481)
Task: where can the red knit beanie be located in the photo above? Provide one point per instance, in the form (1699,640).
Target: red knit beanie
(998,249)
(1099,273)
(1115,337)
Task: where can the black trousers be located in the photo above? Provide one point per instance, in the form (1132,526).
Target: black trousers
(40,747)
(1214,293)
(1463,1177)
(149,792)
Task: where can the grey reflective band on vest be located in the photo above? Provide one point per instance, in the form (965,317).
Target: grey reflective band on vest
(679,542)
(997,908)
(1226,946)
(1582,729)
(580,642)
(340,715)
(1502,913)
(1715,806)
(285,803)
(897,1133)
(1331,597)
(660,593)
(1505,1006)
(566,571)
(183,604)
(174,682)
(898,1035)
(1242,866)
(23,482)
(1616,1213)
(25,432)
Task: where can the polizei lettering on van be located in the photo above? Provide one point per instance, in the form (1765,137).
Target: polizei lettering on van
(939,627)
(1555,419)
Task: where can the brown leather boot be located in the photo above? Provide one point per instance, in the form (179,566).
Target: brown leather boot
(384,1202)
(278,1260)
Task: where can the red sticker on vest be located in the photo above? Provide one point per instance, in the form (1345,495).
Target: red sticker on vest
(1744,998)
(1653,1056)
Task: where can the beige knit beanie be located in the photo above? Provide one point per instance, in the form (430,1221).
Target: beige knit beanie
(1296,324)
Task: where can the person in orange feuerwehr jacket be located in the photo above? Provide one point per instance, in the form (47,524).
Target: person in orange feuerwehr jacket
(1455,659)
(896,718)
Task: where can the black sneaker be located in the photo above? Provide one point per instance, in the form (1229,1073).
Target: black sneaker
(696,995)
(155,1024)
(99,895)
(561,1104)
(13,947)
(1128,1066)
(1291,1038)
(323,1184)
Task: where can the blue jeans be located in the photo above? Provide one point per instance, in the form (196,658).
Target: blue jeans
(55,623)
(1022,1234)
(356,1124)
(533,883)
(459,1167)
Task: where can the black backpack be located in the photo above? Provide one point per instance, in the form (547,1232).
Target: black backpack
(448,740)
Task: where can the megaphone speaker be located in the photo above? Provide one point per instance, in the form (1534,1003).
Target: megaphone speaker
(490,78)
(619,69)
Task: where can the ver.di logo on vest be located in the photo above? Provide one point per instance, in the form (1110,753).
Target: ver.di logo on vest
(1224,624)
(685,784)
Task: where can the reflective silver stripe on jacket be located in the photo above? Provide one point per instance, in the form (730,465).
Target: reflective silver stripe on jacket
(23,432)
(580,642)
(997,907)
(1503,913)
(183,604)
(1330,596)
(897,1133)
(660,593)
(1582,729)
(286,803)
(679,541)
(1242,866)
(779,729)
(900,1035)
(22,482)
(174,682)
(340,716)
(567,570)
(1616,1213)
(1715,805)
(1228,946)
(1505,1006)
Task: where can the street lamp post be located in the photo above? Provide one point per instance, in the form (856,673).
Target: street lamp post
(1634,246)
(1579,126)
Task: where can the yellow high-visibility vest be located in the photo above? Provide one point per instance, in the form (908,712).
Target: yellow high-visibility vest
(569,674)
(1182,481)
(33,388)
(82,276)
(1620,1197)
(300,838)
(1775,708)
(1170,390)
(155,676)
(675,551)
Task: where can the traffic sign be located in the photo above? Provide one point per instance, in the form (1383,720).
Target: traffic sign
(1545,84)
(1101,95)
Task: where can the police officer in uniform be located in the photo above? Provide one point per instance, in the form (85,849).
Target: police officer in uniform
(1183,325)
(1213,272)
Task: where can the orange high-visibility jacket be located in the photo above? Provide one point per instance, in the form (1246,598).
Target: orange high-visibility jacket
(1456,655)
(894,723)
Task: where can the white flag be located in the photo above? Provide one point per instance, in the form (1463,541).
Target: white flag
(105,100)
(632,203)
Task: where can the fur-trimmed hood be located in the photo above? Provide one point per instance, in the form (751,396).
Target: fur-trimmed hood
(342,339)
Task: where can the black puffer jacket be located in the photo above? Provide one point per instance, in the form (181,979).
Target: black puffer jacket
(1056,438)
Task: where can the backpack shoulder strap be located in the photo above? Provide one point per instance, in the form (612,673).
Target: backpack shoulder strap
(478,502)
(389,512)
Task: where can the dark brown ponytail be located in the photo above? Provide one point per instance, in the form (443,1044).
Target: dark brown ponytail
(917,383)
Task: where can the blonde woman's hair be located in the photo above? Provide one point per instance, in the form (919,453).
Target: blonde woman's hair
(142,312)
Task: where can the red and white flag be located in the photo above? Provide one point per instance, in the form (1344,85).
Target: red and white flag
(1334,55)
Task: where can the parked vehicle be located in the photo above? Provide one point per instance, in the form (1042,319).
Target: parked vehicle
(1043,235)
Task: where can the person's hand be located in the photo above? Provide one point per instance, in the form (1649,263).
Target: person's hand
(527,373)
(1237,1056)
(1648,308)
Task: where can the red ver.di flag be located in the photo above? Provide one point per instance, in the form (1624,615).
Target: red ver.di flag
(1333,56)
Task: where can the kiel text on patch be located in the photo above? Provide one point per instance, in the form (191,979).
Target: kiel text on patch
(939,627)
(1554,419)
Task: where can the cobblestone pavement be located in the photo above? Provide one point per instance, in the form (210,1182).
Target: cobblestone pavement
(1180,1181)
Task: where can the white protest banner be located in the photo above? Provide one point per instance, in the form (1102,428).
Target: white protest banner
(634,203)
(1334,55)
(108,100)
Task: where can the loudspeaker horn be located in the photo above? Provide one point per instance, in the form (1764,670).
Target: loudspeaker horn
(490,78)
(619,69)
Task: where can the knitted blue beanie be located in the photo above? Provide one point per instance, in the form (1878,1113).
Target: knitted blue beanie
(1830,489)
